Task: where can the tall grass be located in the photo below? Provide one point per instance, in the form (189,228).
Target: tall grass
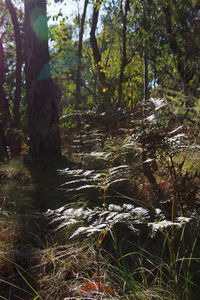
(169,271)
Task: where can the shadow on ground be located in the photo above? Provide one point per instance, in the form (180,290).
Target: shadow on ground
(28,195)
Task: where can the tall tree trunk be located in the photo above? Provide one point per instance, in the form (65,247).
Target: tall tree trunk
(146,76)
(185,72)
(79,54)
(5,119)
(42,93)
(106,100)
(19,60)
(124,60)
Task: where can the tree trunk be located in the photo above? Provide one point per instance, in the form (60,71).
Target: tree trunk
(42,93)
(185,72)
(124,61)
(146,76)
(106,100)
(18,72)
(5,120)
(79,54)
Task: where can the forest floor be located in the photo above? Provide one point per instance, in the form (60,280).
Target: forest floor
(26,192)
(67,227)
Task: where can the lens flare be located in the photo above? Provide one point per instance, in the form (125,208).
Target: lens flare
(38,21)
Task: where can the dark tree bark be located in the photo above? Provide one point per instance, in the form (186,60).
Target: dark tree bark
(42,93)
(106,100)
(185,71)
(19,60)
(124,60)
(5,119)
(79,54)
(146,76)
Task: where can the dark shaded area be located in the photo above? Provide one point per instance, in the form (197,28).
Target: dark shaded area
(23,257)
(47,193)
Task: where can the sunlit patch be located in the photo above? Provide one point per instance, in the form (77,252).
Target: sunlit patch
(91,287)
(104,90)
(38,21)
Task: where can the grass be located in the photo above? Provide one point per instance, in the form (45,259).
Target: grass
(143,274)
(115,264)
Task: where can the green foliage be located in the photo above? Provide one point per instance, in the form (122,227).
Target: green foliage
(145,30)
(7,35)
(131,159)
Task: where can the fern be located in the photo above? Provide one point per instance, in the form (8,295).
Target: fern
(94,221)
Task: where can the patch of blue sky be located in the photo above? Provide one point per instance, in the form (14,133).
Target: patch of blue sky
(68,8)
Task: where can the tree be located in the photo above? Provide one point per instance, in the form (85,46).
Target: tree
(124,60)
(106,99)
(4,107)
(42,93)
(79,54)
(19,61)
(11,77)
(121,60)
(182,39)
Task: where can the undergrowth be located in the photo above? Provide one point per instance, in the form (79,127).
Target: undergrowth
(140,258)
(122,219)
